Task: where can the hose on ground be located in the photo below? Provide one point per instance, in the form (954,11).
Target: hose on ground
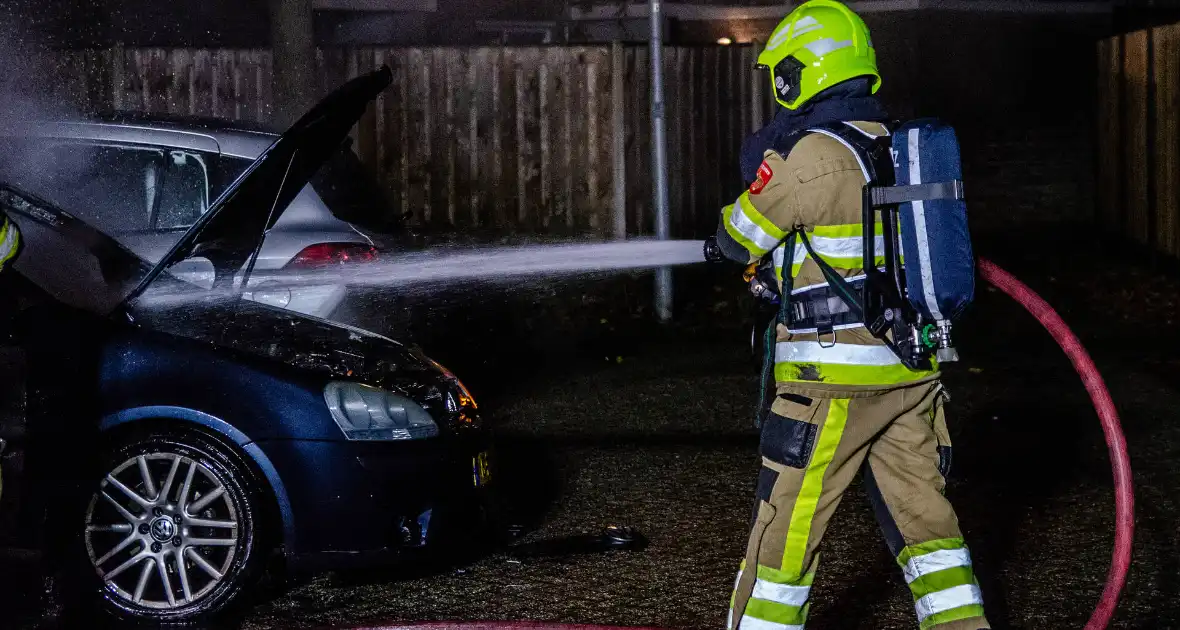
(1124,498)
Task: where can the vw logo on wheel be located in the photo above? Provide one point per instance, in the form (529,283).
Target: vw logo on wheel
(163,529)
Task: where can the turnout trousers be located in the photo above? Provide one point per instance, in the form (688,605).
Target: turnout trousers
(813,445)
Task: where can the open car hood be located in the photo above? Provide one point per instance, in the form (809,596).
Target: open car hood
(231,232)
(85,269)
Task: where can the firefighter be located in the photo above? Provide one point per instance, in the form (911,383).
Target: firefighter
(843,403)
(9,247)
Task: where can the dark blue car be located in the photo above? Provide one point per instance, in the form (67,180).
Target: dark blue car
(179,435)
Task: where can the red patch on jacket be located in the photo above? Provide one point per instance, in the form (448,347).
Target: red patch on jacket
(764,175)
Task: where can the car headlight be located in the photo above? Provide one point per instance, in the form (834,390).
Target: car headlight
(367,413)
(461,399)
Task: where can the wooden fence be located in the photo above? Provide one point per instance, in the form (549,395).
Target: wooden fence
(1139,136)
(548,140)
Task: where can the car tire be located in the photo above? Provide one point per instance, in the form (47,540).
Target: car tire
(187,545)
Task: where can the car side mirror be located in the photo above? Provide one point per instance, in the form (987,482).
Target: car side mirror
(197,270)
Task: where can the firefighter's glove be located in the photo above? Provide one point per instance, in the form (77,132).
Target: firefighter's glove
(763,283)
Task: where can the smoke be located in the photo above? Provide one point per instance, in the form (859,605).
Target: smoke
(32,89)
(31,71)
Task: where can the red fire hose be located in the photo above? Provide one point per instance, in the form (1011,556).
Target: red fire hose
(1124,501)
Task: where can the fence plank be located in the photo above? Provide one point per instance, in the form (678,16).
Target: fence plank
(440,139)
(1135,135)
(578,163)
(598,182)
(486,103)
(459,110)
(265,85)
(403,117)
(1109,95)
(380,119)
(694,118)
(528,115)
(1167,175)
(552,132)
(568,130)
(201,85)
(640,140)
(678,157)
(423,149)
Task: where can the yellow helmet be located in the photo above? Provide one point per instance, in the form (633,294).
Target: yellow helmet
(821,43)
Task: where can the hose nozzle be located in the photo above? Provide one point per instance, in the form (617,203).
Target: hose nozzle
(712,251)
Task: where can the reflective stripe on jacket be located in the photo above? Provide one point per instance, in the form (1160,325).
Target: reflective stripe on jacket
(9,242)
(816,188)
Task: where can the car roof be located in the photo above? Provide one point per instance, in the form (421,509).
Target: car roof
(234,138)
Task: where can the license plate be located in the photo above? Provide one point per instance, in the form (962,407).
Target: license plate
(481,471)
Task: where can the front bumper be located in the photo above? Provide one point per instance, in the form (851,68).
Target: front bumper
(355,503)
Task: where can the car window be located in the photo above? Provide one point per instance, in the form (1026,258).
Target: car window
(184,197)
(120,189)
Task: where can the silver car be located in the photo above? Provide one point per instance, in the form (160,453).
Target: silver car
(146,179)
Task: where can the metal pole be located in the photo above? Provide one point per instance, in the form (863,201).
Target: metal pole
(663,293)
(757,100)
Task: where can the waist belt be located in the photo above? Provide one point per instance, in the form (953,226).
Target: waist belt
(819,310)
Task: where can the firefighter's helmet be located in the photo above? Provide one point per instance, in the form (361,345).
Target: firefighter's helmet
(820,44)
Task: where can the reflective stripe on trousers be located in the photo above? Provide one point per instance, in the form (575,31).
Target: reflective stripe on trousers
(777,603)
(942,581)
(840,363)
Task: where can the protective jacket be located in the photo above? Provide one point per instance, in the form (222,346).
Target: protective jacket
(816,189)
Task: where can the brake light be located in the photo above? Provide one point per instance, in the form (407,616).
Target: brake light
(323,254)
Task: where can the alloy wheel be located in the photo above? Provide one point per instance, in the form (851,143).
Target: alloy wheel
(162,531)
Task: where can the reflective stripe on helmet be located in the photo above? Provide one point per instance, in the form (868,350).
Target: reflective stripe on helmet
(822,47)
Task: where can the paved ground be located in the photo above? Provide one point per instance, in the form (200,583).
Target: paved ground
(664,442)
